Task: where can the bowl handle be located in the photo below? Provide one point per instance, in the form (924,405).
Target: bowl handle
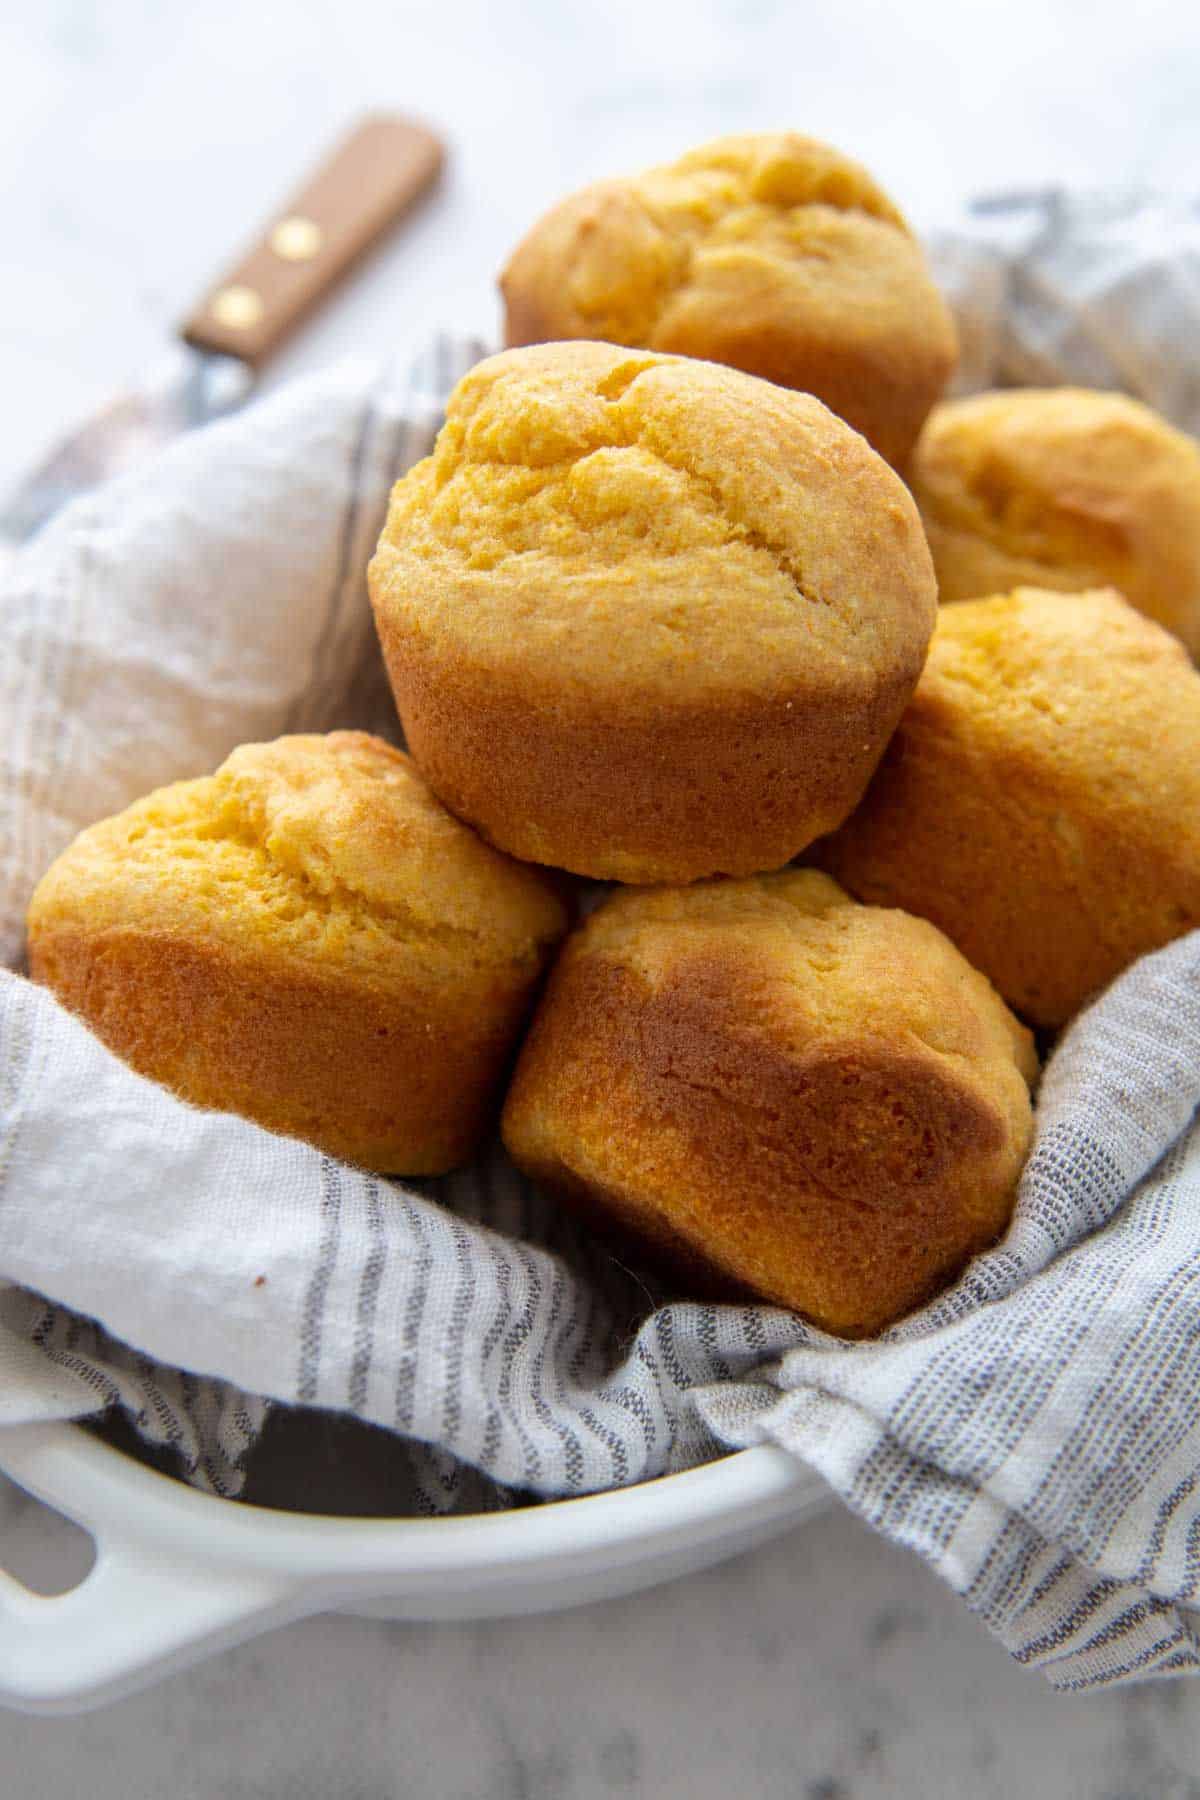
(146,1607)
(134,1615)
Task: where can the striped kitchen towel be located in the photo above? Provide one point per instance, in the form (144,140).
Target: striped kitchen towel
(1035,1433)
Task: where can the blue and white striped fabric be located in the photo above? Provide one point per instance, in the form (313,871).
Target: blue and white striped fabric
(1035,1434)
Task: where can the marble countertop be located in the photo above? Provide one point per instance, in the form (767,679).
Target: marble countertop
(827,1666)
(141,141)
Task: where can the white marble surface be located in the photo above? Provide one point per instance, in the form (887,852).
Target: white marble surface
(827,1666)
(140,141)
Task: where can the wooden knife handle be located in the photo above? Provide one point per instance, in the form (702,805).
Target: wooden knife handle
(347,204)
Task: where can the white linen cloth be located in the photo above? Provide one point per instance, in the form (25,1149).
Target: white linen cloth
(1035,1433)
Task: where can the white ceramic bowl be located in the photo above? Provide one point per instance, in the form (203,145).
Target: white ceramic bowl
(179,1575)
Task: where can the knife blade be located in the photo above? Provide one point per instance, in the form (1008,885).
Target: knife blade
(369,181)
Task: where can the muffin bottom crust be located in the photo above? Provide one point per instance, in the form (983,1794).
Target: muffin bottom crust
(360,1073)
(640,794)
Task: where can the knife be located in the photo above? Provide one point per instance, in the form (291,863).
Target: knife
(368,182)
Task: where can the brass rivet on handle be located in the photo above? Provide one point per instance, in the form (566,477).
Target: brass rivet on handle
(297,238)
(238,307)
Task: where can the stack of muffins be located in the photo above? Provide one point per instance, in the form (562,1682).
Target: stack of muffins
(662,610)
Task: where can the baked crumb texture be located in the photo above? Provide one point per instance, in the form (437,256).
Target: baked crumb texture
(781,1092)
(1063,488)
(646,618)
(1040,801)
(309,938)
(773,253)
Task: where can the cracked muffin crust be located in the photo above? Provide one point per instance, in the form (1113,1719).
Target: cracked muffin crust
(770,252)
(647,618)
(1040,801)
(309,938)
(1063,488)
(780,1092)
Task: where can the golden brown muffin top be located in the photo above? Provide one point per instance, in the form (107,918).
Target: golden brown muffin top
(815,964)
(772,253)
(654,528)
(1041,798)
(1080,696)
(772,197)
(1106,701)
(1072,488)
(327,850)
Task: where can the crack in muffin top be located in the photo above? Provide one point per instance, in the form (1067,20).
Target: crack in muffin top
(778,196)
(625,520)
(316,848)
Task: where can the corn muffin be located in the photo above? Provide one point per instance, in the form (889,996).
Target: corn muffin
(1041,799)
(778,1092)
(646,618)
(773,253)
(1063,488)
(308,938)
